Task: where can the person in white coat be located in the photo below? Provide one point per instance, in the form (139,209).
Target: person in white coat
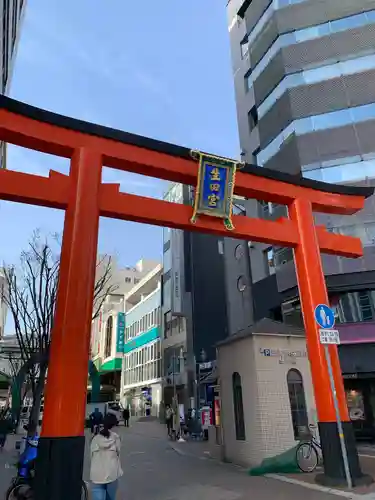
(105,462)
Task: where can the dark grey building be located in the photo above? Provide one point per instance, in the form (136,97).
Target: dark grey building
(12,12)
(193,304)
(303,73)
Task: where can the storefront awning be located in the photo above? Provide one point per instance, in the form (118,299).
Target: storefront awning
(111,366)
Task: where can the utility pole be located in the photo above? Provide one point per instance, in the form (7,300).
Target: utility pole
(175,398)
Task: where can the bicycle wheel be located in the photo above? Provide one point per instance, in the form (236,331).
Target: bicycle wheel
(84,491)
(307,457)
(20,492)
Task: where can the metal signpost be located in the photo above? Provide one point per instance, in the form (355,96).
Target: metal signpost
(325,318)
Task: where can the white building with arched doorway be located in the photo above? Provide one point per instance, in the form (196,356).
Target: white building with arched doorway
(266,391)
(108,327)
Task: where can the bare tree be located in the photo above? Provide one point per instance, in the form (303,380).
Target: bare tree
(30,294)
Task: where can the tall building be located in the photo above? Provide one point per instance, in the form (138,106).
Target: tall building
(12,13)
(141,387)
(303,73)
(3,304)
(194,307)
(107,331)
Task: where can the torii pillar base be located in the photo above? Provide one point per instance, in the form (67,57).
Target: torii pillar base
(334,472)
(60,466)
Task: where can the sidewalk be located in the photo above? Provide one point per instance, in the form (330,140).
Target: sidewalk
(357,493)
(149,428)
(8,458)
(196,449)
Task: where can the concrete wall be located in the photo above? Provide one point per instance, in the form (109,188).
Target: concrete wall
(239,356)
(273,398)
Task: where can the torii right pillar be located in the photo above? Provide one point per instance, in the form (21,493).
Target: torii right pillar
(313,291)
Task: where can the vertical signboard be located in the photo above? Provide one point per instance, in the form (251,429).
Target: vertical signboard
(215,186)
(120,341)
(175,195)
(177,247)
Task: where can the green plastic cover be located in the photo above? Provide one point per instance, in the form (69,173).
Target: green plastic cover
(285,463)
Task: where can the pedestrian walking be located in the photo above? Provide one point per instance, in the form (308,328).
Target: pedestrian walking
(96,419)
(5,429)
(169,413)
(126,416)
(105,462)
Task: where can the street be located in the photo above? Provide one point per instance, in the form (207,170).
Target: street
(153,469)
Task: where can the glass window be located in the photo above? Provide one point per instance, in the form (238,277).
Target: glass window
(365,306)
(248,81)
(252,118)
(282,255)
(370,233)
(167,260)
(239,418)
(244,48)
(167,324)
(269,262)
(167,294)
(166,234)
(331,120)
(355,404)
(348,23)
(361,113)
(297,402)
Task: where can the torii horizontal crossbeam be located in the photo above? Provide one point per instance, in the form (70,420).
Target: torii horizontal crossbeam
(34,128)
(53,192)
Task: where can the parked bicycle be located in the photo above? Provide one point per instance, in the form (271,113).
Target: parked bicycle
(308,453)
(21,486)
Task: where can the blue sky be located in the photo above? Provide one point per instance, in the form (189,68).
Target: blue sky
(160,69)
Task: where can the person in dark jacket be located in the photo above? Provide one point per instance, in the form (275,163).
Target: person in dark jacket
(126,415)
(96,419)
(6,427)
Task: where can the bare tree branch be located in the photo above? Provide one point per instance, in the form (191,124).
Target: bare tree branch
(31,294)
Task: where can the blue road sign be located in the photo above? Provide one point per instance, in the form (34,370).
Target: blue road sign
(324,316)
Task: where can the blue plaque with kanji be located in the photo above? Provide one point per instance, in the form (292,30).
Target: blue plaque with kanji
(214,191)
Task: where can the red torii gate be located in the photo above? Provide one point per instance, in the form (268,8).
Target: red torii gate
(84,198)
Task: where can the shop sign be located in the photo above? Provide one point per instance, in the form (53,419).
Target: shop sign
(120,332)
(205,366)
(215,185)
(285,356)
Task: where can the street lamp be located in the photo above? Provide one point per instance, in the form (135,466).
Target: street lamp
(180,358)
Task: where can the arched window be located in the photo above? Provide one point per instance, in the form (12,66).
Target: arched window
(108,337)
(239,419)
(297,402)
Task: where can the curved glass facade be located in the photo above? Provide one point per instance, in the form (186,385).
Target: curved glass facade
(310,33)
(315,123)
(350,172)
(320,74)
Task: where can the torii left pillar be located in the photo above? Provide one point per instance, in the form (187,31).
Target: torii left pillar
(61,447)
